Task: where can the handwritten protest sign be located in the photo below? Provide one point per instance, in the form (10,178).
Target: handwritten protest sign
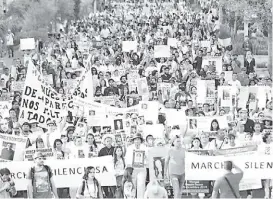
(27,44)
(39,101)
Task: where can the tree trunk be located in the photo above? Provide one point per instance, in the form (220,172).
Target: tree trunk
(270,43)
(245,28)
(235,25)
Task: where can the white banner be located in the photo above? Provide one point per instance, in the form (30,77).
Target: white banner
(212,167)
(66,173)
(12,148)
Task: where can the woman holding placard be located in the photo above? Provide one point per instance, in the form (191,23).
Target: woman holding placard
(175,164)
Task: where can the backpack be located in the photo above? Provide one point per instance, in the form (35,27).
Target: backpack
(83,187)
(47,168)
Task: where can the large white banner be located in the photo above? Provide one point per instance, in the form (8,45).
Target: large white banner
(12,148)
(66,173)
(212,167)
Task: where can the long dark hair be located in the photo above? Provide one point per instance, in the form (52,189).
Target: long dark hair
(116,158)
(94,142)
(196,138)
(155,167)
(87,170)
(55,142)
(211,127)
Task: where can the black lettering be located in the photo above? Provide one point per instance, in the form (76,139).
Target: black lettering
(104,169)
(28,91)
(34,93)
(79,170)
(269,165)
(64,171)
(72,170)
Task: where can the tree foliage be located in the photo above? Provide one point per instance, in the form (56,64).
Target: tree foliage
(38,18)
(77,7)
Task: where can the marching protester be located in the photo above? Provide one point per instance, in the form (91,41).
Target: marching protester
(102,93)
(7,186)
(90,186)
(40,179)
(228,185)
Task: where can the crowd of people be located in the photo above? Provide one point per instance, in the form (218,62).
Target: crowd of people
(124,77)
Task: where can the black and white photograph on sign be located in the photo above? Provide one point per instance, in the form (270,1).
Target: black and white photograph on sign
(226,94)
(118,124)
(92,112)
(144,106)
(8,150)
(133,130)
(193,124)
(97,133)
(81,154)
(118,138)
(106,129)
(138,159)
(159,165)
(141,120)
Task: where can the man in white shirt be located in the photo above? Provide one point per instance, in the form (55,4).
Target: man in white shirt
(235,82)
(10,43)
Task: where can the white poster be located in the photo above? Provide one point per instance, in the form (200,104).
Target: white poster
(12,148)
(172,42)
(27,44)
(128,46)
(162,51)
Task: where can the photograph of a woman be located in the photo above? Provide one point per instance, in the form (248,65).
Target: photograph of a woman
(193,123)
(159,167)
(214,126)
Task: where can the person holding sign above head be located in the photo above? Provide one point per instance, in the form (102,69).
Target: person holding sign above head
(40,179)
(228,185)
(175,164)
